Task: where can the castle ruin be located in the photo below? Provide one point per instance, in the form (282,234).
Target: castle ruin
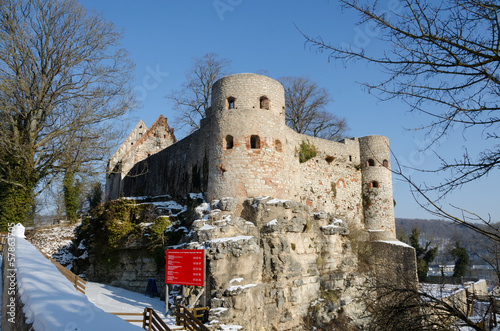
(244,149)
(282,237)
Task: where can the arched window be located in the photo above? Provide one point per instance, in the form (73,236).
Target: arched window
(385,163)
(231,103)
(229,142)
(264,103)
(370,163)
(375,184)
(279,146)
(254,142)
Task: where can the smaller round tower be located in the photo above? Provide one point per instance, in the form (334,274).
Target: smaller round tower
(248,146)
(378,201)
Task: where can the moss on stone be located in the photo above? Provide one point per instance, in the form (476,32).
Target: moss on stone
(306,151)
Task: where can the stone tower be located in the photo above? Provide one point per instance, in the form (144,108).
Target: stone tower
(249,156)
(377,187)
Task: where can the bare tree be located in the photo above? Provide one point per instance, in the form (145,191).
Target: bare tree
(442,59)
(193,100)
(394,307)
(305,109)
(64,80)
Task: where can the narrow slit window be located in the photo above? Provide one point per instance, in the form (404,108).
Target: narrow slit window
(229,142)
(264,103)
(254,142)
(279,146)
(231,103)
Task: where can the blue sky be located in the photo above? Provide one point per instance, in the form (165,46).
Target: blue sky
(162,38)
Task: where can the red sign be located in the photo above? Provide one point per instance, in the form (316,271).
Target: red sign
(185,267)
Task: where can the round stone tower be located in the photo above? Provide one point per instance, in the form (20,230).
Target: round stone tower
(248,154)
(378,200)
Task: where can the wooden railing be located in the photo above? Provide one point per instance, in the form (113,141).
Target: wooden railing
(3,240)
(187,318)
(153,322)
(77,282)
(128,317)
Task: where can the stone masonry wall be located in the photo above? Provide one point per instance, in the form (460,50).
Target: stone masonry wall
(177,170)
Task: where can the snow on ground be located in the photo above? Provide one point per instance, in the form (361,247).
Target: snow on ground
(56,240)
(51,302)
(118,300)
(440,290)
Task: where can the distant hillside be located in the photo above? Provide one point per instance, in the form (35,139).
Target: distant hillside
(444,234)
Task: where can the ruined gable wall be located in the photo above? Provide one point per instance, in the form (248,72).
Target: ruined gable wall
(129,143)
(156,138)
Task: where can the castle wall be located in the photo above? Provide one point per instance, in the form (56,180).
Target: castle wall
(331,181)
(113,182)
(177,170)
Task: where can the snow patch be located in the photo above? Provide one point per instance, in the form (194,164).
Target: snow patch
(194,196)
(237,287)
(337,223)
(235,280)
(393,242)
(219,240)
(275,201)
(18,230)
(207,227)
(273,222)
(218,311)
(230,327)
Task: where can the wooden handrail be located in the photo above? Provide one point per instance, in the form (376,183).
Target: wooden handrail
(187,319)
(130,314)
(77,282)
(153,321)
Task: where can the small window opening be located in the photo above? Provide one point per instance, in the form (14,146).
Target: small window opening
(230,102)
(264,103)
(229,142)
(254,142)
(350,158)
(279,146)
(385,163)
(375,184)
(370,163)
